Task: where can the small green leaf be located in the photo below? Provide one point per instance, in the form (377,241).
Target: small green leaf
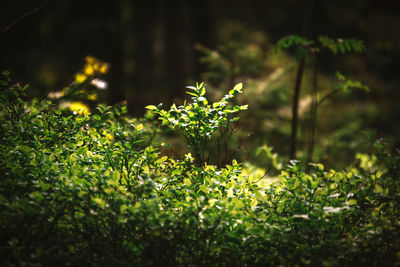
(36,195)
(175,172)
(320,166)
(253,202)
(44,186)
(211,202)
(162,159)
(341,48)
(238,87)
(352,202)
(123,208)
(100,202)
(378,189)
(71,248)
(190,93)
(187,181)
(340,76)
(151,107)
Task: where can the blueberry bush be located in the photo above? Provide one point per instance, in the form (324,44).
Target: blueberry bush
(93,189)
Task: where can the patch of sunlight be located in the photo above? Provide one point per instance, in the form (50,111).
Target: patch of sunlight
(304,106)
(76,107)
(259,176)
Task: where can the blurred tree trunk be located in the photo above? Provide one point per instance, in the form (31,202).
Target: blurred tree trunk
(125,89)
(295,108)
(157,42)
(180,46)
(144,17)
(299,77)
(205,24)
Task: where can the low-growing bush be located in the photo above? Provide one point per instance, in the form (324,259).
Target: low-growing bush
(94,190)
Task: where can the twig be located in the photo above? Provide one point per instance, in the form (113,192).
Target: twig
(25,15)
(327,96)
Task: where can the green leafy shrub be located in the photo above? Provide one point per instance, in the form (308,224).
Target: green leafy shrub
(203,125)
(93,190)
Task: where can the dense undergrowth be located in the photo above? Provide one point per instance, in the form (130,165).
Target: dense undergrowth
(95,190)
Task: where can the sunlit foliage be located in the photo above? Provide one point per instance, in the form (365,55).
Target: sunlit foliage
(82,94)
(94,189)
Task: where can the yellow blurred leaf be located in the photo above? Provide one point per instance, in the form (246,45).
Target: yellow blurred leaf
(352,202)
(104,68)
(151,107)
(211,202)
(139,127)
(80,78)
(320,166)
(93,97)
(187,181)
(79,107)
(96,66)
(253,203)
(378,188)
(90,59)
(123,207)
(88,70)
(238,87)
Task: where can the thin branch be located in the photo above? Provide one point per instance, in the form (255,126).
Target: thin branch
(327,96)
(25,15)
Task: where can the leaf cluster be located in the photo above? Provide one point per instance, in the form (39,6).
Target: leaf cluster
(200,121)
(94,190)
(335,45)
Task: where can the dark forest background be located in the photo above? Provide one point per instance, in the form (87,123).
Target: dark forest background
(155,48)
